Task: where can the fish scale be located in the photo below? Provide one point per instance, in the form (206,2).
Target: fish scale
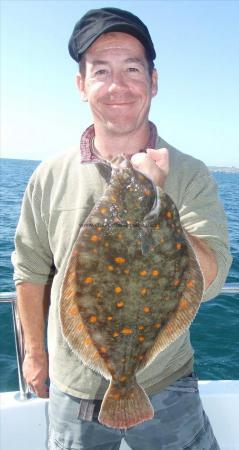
(132,286)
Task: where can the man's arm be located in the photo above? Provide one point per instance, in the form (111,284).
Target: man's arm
(33,303)
(155,165)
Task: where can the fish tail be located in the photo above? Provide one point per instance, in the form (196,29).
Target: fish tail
(125,409)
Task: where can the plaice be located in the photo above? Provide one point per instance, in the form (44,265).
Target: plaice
(132,286)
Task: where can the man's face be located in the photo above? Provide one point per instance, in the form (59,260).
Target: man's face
(117,83)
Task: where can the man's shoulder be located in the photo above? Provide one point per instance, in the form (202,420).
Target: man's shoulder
(55,166)
(57,162)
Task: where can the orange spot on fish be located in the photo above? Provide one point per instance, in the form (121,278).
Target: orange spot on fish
(109,317)
(141,327)
(157,227)
(147,192)
(141,338)
(143,273)
(103,350)
(126,271)
(183,304)
(88,280)
(116,396)
(73,311)
(141,357)
(104,211)
(169,215)
(113,198)
(122,378)
(106,244)
(110,268)
(157,325)
(190,284)
(120,304)
(155,273)
(127,330)
(95,238)
(118,289)
(120,236)
(147,309)
(80,327)
(178,245)
(115,334)
(120,260)
(88,341)
(93,319)
(143,291)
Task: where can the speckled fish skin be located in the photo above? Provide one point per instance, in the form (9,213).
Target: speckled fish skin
(119,306)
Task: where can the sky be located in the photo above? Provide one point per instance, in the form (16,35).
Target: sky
(197,105)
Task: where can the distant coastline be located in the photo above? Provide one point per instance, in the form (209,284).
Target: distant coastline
(224,169)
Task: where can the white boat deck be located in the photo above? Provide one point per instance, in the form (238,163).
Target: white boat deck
(24,424)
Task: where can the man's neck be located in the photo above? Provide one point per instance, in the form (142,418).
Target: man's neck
(110,145)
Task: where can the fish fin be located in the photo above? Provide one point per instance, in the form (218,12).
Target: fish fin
(77,337)
(184,314)
(125,410)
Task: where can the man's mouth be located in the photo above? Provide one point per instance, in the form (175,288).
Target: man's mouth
(116,103)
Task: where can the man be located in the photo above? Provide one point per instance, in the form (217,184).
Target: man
(118,79)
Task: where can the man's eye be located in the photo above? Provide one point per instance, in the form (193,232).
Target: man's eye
(133,69)
(101,72)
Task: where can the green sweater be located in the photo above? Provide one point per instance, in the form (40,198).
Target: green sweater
(59,197)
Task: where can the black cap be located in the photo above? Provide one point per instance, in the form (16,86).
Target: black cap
(98,21)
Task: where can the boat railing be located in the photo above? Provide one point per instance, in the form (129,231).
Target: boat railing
(11,297)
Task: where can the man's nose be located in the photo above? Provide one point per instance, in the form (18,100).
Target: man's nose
(117,81)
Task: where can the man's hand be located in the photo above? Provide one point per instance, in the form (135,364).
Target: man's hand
(35,372)
(33,302)
(154,164)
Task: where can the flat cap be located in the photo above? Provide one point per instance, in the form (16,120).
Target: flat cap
(98,21)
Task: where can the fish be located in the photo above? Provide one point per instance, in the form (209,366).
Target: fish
(132,286)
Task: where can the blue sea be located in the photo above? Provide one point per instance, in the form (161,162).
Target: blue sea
(215,331)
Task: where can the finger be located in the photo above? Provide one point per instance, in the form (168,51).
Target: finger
(40,390)
(141,161)
(160,157)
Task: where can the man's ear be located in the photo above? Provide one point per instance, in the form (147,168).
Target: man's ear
(154,87)
(81,86)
